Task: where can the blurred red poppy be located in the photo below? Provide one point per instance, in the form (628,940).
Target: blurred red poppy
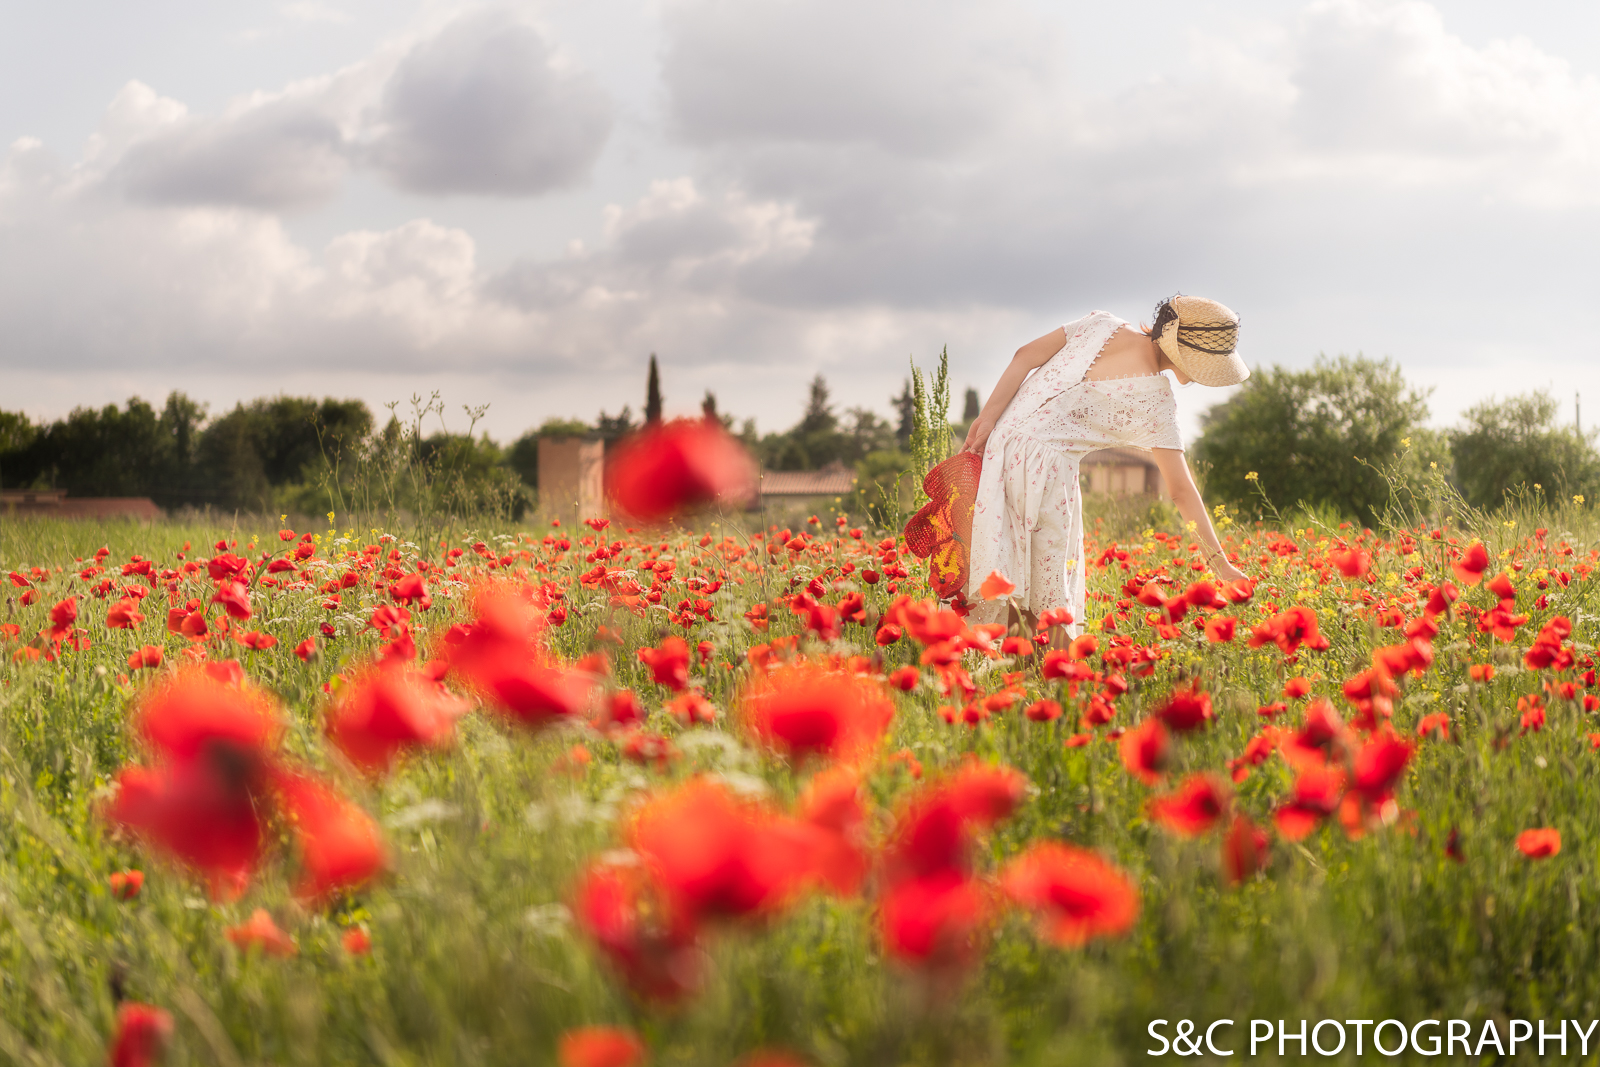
(340,846)
(1540,843)
(936,920)
(1186,709)
(141,1037)
(1473,562)
(234,598)
(380,712)
(714,854)
(601,1046)
(1144,750)
(147,656)
(124,614)
(261,932)
(1244,849)
(668,663)
(802,707)
(653,948)
(1075,895)
(670,468)
(1199,802)
(500,654)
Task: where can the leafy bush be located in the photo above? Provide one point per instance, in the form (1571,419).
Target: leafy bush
(1516,442)
(1316,436)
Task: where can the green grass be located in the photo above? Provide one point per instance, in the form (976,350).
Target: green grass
(473,960)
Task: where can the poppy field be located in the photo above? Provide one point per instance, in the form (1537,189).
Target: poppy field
(713,793)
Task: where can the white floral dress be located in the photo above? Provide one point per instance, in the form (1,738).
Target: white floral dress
(1028,520)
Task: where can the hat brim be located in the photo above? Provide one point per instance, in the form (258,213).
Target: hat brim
(1206,368)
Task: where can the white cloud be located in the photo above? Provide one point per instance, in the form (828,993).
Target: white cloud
(483,105)
(486,106)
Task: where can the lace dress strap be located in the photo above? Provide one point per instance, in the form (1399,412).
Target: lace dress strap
(1085,338)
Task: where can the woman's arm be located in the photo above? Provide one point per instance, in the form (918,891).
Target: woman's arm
(1186,498)
(1034,354)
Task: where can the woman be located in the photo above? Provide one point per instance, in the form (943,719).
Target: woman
(1096,383)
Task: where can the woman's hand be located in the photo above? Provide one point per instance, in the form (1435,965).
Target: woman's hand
(978,435)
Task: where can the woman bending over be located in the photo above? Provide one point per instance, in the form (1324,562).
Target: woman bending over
(1095,383)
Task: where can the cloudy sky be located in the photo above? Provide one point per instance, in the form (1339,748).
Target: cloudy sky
(515,203)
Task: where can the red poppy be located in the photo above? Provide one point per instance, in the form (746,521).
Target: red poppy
(234,598)
(1539,844)
(1379,765)
(669,468)
(409,588)
(1295,688)
(654,950)
(832,803)
(1220,628)
(691,707)
(306,649)
(802,707)
(1501,587)
(1441,598)
(125,885)
(1244,849)
(601,1046)
(226,567)
(1043,711)
(261,932)
(668,663)
(995,586)
(194,710)
(1186,709)
(356,941)
(500,655)
(340,845)
(935,831)
(256,640)
(147,656)
(905,679)
(1075,894)
(124,614)
(1473,562)
(1289,631)
(1438,722)
(1144,750)
(63,618)
(715,855)
(141,1037)
(935,921)
(1317,792)
(384,710)
(1352,562)
(1194,807)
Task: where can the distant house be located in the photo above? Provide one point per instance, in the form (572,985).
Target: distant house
(55,504)
(1121,472)
(808,489)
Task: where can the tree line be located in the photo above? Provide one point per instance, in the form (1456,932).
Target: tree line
(1342,436)
(1349,436)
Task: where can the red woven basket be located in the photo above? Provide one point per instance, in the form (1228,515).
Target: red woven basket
(941,532)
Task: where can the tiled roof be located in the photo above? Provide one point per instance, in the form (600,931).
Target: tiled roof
(835,481)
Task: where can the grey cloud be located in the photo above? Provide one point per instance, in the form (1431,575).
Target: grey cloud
(486,107)
(281,155)
(923,77)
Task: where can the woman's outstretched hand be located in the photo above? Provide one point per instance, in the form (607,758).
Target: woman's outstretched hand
(977,435)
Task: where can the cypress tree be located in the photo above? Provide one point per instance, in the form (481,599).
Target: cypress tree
(652,394)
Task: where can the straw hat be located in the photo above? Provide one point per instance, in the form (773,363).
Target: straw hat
(1200,337)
